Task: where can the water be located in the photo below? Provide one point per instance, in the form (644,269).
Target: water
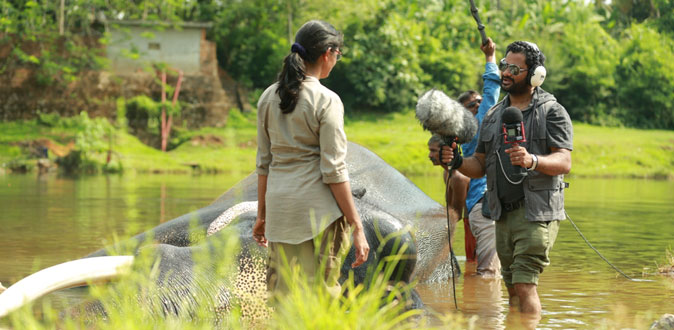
(46,220)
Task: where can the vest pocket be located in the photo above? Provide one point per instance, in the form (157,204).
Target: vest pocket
(544,196)
(486,137)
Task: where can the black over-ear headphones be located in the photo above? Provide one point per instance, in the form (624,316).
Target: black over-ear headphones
(536,75)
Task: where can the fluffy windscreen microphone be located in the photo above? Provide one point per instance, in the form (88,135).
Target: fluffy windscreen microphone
(441,115)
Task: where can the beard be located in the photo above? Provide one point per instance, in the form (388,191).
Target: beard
(515,88)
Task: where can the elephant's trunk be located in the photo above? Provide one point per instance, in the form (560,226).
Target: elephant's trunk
(62,276)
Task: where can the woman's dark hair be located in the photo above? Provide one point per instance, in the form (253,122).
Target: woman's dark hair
(311,41)
(534,57)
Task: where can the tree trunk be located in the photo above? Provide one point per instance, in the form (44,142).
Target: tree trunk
(290,22)
(62,18)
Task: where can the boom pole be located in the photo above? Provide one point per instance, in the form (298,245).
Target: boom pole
(480,26)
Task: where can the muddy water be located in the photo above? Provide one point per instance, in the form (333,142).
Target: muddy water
(49,219)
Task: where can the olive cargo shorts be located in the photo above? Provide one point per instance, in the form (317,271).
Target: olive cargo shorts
(523,246)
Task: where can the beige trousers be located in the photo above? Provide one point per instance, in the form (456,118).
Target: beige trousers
(318,260)
(484,230)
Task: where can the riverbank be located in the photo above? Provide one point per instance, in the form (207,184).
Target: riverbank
(397,138)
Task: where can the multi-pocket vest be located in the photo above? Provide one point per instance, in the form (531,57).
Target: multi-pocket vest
(543,194)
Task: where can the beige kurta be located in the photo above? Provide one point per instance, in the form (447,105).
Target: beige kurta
(301,153)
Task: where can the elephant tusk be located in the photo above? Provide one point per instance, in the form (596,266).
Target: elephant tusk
(230,214)
(66,275)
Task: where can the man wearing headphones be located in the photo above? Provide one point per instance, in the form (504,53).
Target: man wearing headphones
(527,210)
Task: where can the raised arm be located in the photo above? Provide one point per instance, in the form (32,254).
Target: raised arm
(491,78)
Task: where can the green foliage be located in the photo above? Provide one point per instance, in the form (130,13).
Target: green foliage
(144,118)
(383,61)
(49,119)
(91,143)
(252,40)
(394,49)
(92,137)
(237,119)
(81,122)
(646,76)
(143,113)
(588,62)
(120,107)
(664,19)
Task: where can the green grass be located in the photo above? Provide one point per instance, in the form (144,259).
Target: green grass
(135,301)
(623,152)
(598,151)
(397,138)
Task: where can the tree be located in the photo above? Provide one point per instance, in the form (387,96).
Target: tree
(646,79)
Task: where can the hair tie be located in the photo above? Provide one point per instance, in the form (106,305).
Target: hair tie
(297,48)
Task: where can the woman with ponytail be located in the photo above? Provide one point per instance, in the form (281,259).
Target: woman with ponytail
(304,196)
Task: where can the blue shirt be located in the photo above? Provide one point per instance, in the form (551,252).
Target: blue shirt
(490,92)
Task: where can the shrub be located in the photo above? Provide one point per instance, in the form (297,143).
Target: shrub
(91,143)
(646,79)
(587,67)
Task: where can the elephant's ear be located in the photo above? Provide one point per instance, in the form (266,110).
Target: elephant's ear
(358,192)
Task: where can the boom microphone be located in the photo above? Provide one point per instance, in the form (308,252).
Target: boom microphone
(441,115)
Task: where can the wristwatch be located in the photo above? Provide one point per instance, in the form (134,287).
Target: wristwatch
(534,163)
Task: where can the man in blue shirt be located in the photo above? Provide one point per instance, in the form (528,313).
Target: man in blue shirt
(481,227)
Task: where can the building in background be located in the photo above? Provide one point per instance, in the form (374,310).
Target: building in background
(136,45)
(133,50)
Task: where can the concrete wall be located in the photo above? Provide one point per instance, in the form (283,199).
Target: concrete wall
(178,48)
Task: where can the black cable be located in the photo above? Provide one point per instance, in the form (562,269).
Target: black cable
(600,255)
(449,238)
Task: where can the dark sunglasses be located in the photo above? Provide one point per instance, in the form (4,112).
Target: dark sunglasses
(513,68)
(339,53)
(474,103)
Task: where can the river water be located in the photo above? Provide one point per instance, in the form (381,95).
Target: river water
(49,219)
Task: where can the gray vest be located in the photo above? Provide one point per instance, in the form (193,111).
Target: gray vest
(543,194)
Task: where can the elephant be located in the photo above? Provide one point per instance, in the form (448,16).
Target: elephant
(390,205)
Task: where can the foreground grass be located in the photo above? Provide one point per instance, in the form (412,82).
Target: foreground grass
(137,300)
(397,138)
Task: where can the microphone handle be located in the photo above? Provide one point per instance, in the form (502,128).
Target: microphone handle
(520,172)
(449,165)
(447,141)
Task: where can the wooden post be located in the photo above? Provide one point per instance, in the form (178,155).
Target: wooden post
(163,111)
(173,103)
